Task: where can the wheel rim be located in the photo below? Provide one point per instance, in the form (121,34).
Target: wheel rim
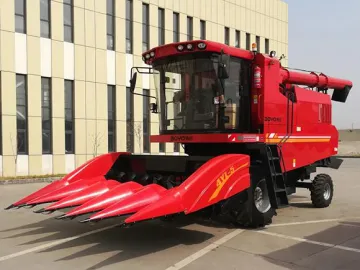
(327,191)
(261,197)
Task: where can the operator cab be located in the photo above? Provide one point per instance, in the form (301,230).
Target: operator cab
(201,91)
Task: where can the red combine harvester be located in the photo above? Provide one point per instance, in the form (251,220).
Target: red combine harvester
(250,133)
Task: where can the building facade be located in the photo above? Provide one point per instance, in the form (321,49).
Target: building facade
(65,71)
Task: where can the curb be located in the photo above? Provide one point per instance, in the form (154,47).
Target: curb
(29,181)
(347,156)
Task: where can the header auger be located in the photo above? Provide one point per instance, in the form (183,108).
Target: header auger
(251,136)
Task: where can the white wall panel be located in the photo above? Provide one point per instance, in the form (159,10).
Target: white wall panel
(22,166)
(146,79)
(47,164)
(129,65)
(111,72)
(69,163)
(45,56)
(20,53)
(69,59)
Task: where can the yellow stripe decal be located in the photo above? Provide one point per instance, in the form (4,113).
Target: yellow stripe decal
(224,177)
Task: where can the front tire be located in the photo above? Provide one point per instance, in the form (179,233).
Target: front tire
(322,190)
(257,210)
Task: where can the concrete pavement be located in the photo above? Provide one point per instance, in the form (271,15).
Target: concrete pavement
(301,237)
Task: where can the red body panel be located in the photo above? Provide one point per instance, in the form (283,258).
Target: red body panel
(216,180)
(67,190)
(101,202)
(92,191)
(97,166)
(312,129)
(313,79)
(132,203)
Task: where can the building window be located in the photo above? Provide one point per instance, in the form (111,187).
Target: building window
(248,41)
(258,43)
(162,147)
(110,21)
(68,21)
(21,114)
(202,30)
(161,23)
(129,120)
(20,18)
(69,117)
(226,38)
(146,121)
(129,25)
(176,147)
(111,118)
(267,46)
(46,116)
(145,26)
(45,11)
(237,38)
(176,27)
(189,28)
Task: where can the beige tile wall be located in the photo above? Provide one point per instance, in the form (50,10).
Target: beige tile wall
(266,18)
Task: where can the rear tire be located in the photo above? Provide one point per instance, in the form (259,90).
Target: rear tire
(322,190)
(257,210)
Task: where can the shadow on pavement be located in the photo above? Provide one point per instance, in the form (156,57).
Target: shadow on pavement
(129,243)
(305,255)
(125,243)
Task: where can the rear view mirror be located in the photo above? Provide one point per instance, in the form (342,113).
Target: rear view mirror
(133,82)
(153,107)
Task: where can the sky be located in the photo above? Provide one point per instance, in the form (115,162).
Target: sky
(324,36)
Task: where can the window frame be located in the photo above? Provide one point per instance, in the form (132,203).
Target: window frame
(161,26)
(129,121)
(112,89)
(71,5)
(110,15)
(48,21)
(49,108)
(146,121)
(21,15)
(190,28)
(202,30)
(25,130)
(227,35)
(237,39)
(129,21)
(145,27)
(72,109)
(176,27)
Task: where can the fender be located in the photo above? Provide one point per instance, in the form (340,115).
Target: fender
(216,180)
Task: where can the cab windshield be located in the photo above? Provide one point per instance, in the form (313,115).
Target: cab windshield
(190,95)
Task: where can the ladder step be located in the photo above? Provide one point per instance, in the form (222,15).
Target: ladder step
(277,190)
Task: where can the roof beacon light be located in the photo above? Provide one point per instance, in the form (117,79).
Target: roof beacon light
(254,47)
(189,46)
(152,54)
